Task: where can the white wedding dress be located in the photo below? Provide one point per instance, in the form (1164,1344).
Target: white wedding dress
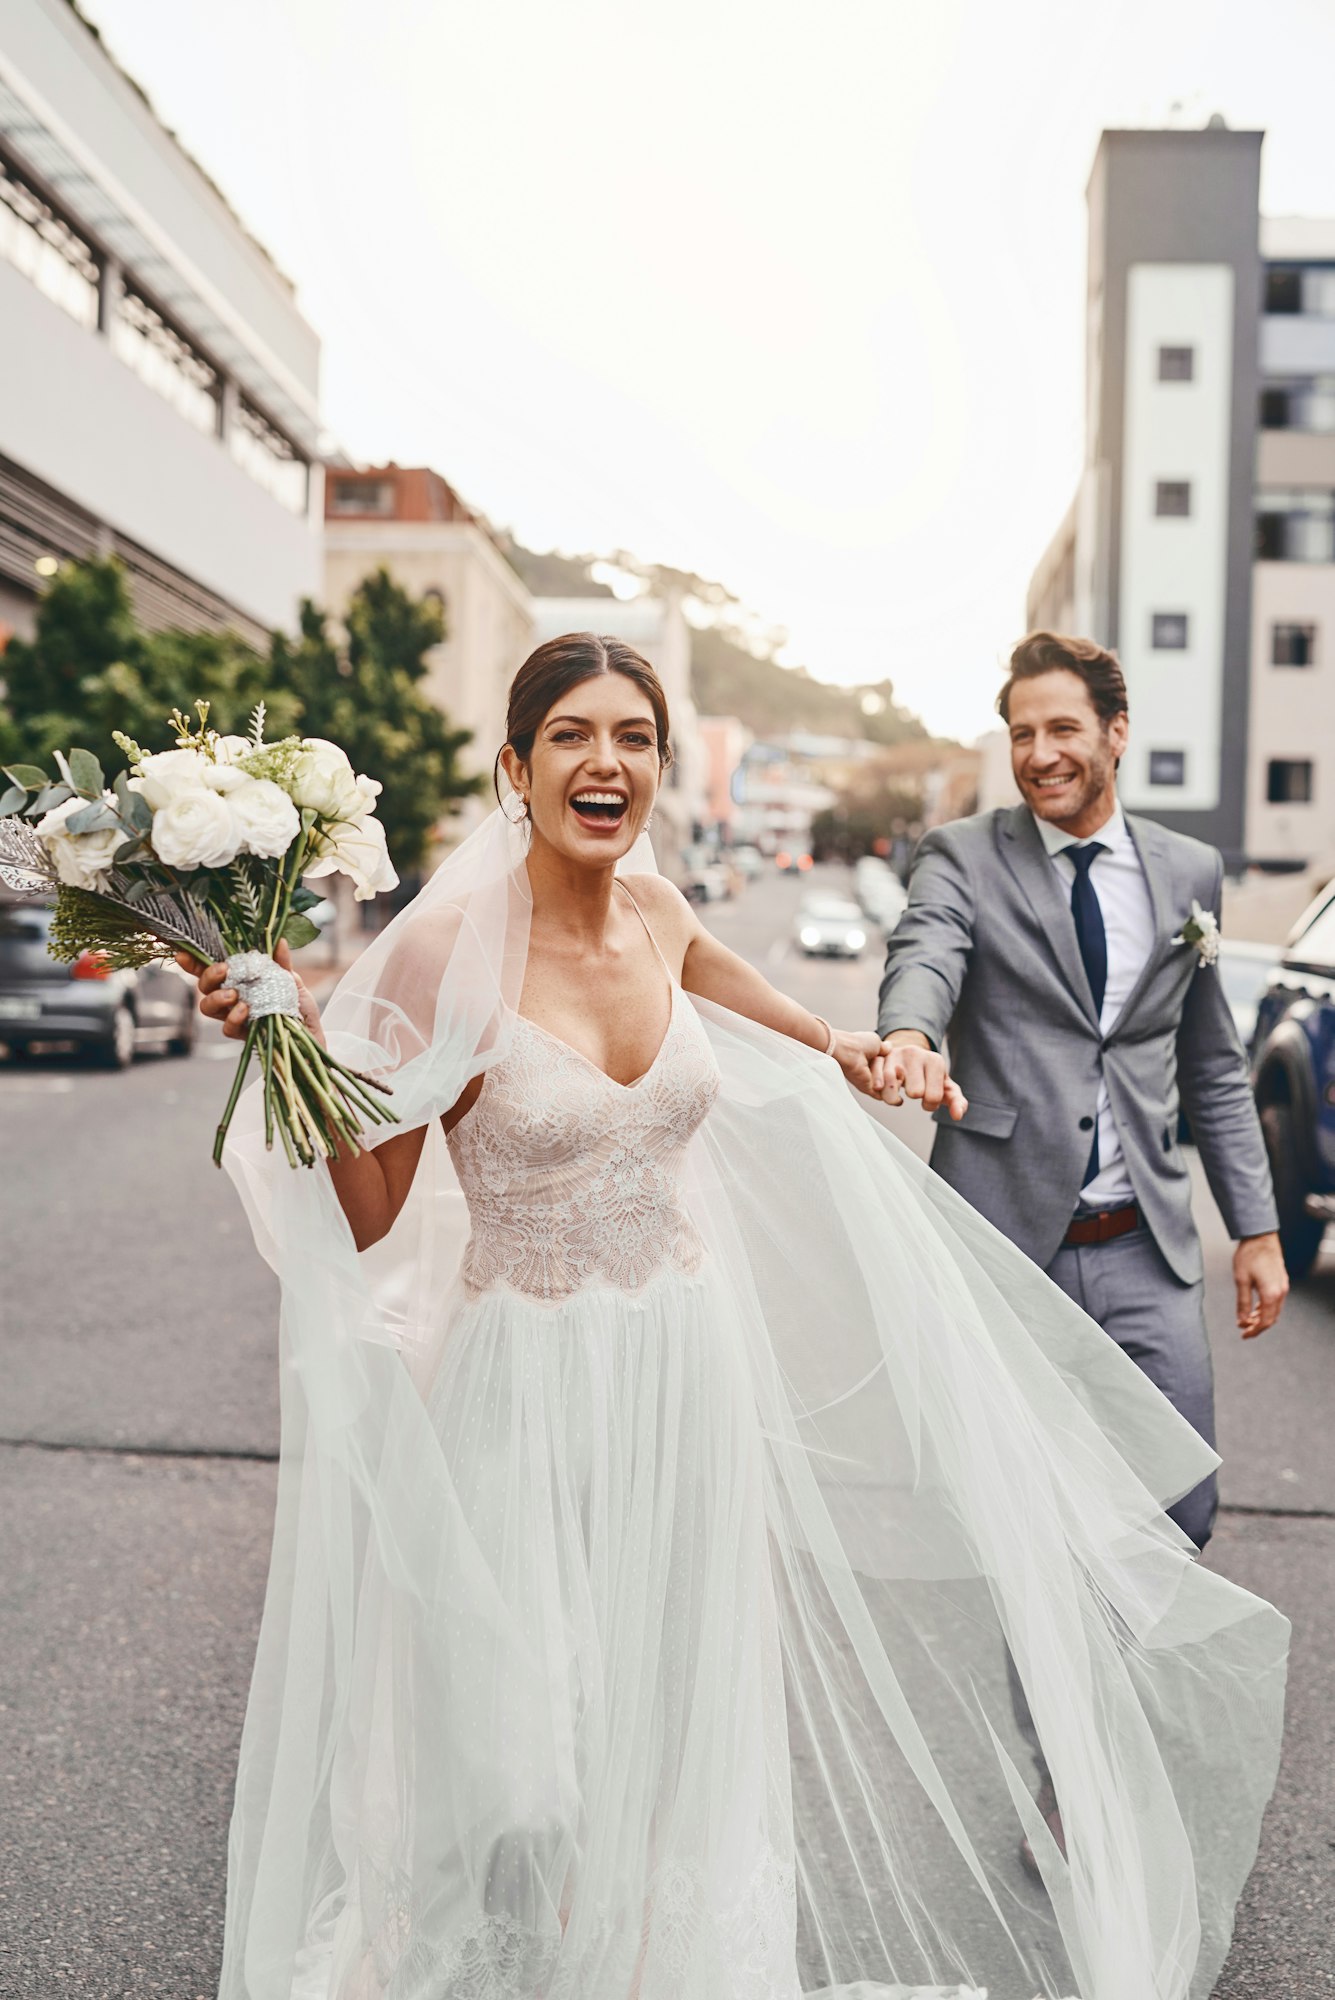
(646,1567)
(627,1826)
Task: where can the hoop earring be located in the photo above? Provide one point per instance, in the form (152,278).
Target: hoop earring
(516,818)
(647,824)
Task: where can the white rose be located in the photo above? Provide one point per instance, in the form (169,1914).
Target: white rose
(231,749)
(357,848)
(224,778)
(196,829)
(268,820)
(81,859)
(322,779)
(167,774)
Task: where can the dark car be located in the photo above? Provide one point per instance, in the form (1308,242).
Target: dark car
(1293,1067)
(111,1014)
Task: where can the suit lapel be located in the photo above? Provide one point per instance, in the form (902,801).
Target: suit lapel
(1029,862)
(1156,861)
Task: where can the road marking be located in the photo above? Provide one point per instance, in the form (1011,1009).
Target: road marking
(38,1086)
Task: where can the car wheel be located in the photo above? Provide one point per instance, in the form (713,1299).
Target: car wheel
(181,1044)
(1300,1234)
(117,1052)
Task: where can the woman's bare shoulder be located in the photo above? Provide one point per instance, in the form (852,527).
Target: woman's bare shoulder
(661,900)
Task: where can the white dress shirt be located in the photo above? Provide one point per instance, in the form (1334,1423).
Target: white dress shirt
(1128,921)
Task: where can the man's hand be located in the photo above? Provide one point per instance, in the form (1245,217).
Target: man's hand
(1262,1282)
(914,1069)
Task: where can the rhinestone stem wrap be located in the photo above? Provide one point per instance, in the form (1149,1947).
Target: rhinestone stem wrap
(262,983)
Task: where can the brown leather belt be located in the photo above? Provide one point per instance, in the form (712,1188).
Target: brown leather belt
(1103,1227)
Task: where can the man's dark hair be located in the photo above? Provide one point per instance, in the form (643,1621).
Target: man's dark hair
(1055,652)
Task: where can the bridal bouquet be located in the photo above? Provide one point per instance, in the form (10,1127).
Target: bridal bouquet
(205,850)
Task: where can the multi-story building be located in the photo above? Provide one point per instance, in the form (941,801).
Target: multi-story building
(411,522)
(1201,541)
(161,388)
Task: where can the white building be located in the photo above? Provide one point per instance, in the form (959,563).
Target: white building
(160,385)
(411,522)
(1201,541)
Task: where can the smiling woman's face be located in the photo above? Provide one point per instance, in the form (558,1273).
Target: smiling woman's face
(594,772)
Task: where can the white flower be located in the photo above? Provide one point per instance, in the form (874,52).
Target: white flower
(1201,929)
(169,773)
(196,829)
(357,848)
(223,778)
(231,749)
(81,859)
(323,780)
(268,820)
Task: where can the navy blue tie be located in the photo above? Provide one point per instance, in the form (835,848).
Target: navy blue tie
(1093,941)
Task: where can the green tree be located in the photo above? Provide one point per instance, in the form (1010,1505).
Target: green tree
(91,668)
(367,697)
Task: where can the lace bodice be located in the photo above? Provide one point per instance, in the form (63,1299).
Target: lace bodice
(572,1179)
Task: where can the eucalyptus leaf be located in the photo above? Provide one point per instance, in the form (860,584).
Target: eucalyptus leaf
(138,892)
(28,775)
(12,800)
(94,818)
(299,930)
(86,772)
(136,809)
(136,848)
(305,899)
(54,795)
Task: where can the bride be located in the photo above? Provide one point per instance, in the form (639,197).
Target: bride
(669,1466)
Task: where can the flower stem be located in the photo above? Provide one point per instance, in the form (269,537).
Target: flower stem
(243,1065)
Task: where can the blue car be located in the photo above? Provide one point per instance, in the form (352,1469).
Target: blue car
(1293,1068)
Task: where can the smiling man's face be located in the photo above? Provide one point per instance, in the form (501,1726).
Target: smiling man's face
(1063,754)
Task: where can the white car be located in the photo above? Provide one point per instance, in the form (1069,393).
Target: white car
(830,927)
(880,892)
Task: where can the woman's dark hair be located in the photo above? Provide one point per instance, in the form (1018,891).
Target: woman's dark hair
(1054,652)
(563,663)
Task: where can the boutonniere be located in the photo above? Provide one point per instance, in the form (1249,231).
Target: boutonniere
(1201,930)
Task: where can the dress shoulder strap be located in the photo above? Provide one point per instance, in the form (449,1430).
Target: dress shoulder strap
(648,930)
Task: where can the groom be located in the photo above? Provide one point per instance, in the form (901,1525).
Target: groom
(1042,940)
(1045,941)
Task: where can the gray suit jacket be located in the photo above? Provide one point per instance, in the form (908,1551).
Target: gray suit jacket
(986,954)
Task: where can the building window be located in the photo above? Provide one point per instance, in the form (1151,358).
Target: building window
(362,496)
(271,459)
(162,357)
(1304,403)
(1288,781)
(47,250)
(1168,767)
(1169,631)
(1177,364)
(1297,525)
(1283,289)
(1293,645)
(1172,497)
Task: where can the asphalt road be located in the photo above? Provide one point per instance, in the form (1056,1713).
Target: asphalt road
(138,1424)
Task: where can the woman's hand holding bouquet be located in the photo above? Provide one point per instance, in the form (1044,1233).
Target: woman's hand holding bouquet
(203,853)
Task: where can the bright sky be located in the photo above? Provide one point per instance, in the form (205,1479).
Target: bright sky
(790,295)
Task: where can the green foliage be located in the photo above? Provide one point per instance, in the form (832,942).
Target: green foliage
(368,699)
(729,678)
(92,671)
(93,676)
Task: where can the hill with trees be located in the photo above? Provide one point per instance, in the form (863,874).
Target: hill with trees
(734,670)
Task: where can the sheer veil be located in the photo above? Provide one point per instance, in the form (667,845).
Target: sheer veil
(959,1469)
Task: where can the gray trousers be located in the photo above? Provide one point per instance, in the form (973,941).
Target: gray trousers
(1159,1323)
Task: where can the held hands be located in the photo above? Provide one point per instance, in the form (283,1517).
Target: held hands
(220,1002)
(894,1070)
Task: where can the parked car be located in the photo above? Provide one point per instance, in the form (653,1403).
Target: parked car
(110,1014)
(790,861)
(880,891)
(830,927)
(1293,1068)
(749,861)
(706,878)
(1244,971)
